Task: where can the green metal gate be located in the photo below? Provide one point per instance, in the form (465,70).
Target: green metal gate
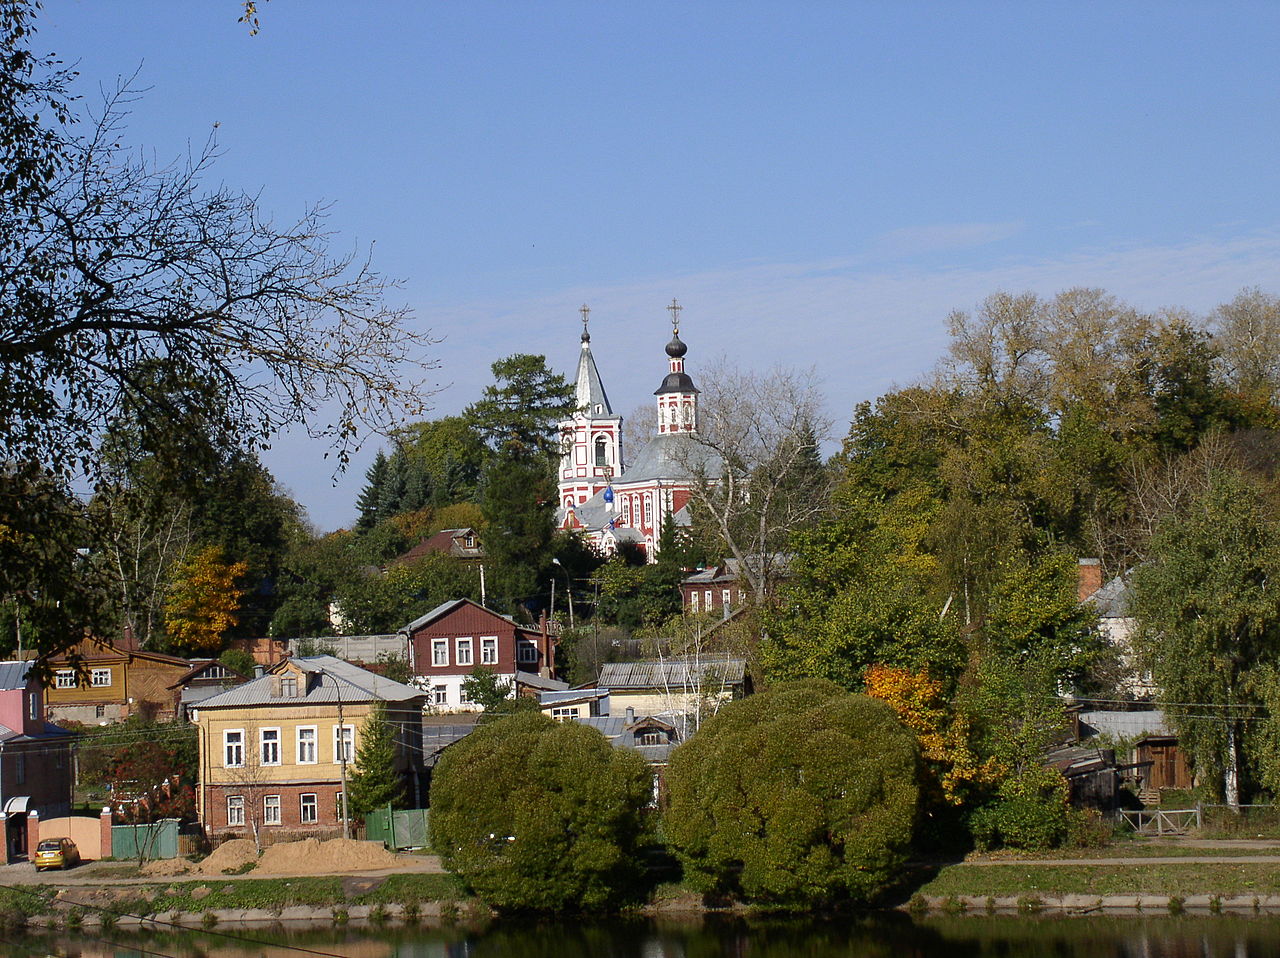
(402,829)
(157,840)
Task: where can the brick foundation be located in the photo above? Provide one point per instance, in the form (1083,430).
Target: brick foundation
(290,796)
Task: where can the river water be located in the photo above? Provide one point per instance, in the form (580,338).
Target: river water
(889,935)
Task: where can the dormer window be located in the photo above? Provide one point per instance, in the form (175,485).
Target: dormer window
(470,542)
(287,686)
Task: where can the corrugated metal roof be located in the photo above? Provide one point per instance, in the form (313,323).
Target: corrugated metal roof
(1125,724)
(535,681)
(13,675)
(683,673)
(338,681)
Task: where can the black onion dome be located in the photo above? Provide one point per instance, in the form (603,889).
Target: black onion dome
(676,349)
(676,383)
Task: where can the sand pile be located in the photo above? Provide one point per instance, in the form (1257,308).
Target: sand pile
(232,855)
(337,856)
(168,866)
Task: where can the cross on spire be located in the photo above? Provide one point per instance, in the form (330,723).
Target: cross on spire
(674,310)
(585,310)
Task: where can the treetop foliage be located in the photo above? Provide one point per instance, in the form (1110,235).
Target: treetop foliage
(798,796)
(537,815)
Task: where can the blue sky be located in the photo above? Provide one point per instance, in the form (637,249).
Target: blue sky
(819,183)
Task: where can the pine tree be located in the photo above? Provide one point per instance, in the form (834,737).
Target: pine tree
(371,494)
(376,783)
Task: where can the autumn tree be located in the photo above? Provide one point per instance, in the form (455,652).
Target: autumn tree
(203,600)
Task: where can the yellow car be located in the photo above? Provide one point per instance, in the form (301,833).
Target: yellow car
(56,853)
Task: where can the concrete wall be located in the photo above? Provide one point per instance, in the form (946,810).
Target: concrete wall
(357,648)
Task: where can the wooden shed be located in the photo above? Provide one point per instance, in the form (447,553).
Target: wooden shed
(1168,765)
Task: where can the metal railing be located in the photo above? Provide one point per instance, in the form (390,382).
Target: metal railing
(1159,821)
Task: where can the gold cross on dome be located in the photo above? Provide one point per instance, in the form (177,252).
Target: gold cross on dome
(674,310)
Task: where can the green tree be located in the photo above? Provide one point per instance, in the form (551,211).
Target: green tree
(800,796)
(376,781)
(518,418)
(1209,617)
(537,815)
(865,590)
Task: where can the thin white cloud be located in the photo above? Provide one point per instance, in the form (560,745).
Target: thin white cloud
(866,330)
(941,237)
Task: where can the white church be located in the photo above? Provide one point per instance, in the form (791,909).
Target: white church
(614,502)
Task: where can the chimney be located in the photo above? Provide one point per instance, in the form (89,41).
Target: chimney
(258,671)
(631,715)
(1089,578)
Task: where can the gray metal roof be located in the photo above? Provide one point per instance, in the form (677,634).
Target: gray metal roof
(589,389)
(672,456)
(680,673)
(572,695)
(335,681)
(1125,724)
(13,675)
(535,681)
(1112,600)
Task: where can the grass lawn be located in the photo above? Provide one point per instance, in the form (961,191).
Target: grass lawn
(1024,878)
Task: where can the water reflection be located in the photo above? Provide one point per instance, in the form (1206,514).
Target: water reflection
(877,937)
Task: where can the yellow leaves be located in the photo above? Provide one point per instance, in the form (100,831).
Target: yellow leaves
(203,600)
(944,738)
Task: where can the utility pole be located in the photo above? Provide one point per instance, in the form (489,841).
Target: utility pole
(342,754)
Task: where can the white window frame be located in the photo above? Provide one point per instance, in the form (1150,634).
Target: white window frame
(64,679)
(648,510)
(726,597)
(565,713)
(489,650)
(314,745)
(271,810)
(463,697)
(100,678)
(693,601)
(439,653)
(707,600)
(348,732)
(227,746)
(526,651)
(235,809)
(313,816)
(263,742)
(463,651)
(439,695)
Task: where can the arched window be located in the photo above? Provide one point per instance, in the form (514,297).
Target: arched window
(601,458)
(648,510)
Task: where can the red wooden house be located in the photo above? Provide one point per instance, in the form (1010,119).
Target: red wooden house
(453,639)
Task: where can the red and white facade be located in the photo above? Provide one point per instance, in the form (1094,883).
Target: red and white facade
(614,505)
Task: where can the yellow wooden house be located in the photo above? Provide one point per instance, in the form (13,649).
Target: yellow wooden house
(273,750)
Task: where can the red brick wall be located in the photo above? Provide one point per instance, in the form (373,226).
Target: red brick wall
(290,806)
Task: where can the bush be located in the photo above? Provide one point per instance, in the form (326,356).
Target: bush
(1031,812)
(800,796)
(536,815)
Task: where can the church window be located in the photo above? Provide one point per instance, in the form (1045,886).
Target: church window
(601,457)
(626,510)
(648,509)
